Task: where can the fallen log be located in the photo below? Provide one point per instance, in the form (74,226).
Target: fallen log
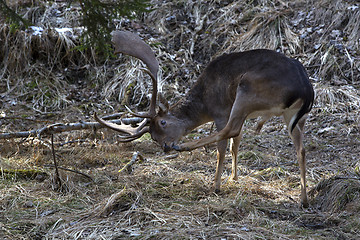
(64,127)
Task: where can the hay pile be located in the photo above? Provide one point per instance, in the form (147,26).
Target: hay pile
(338,193)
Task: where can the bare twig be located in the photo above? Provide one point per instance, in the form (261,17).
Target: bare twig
(352,178)
(171,156)
(57,176)
(135,156)
(71,170)
(22,118)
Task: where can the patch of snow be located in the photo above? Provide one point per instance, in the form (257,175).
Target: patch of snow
(37,31)
(69,32)
(353,8)
(63,30)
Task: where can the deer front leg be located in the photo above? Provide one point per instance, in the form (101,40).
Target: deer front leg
(221,150)
(232,128)
(201,142)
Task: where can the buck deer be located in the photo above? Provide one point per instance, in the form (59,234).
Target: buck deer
(232,88)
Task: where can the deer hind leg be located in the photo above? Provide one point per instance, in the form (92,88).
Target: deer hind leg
(221,150)
(261,123)
(297,137)
(234,148)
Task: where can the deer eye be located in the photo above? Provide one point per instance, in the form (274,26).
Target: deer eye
(163,123)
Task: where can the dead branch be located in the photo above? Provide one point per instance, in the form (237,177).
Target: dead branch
(65,127)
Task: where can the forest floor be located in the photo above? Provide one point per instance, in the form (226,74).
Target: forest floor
(168,196)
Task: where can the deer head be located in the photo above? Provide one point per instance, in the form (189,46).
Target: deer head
(163,127)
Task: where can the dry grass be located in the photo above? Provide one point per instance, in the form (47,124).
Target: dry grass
(43,80)
(171,198)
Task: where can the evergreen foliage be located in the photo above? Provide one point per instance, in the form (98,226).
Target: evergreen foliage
(98,16)
(11,16)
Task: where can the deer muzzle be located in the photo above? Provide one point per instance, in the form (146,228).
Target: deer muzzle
(167,148)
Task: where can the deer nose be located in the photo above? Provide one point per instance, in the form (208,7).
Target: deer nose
(166,148)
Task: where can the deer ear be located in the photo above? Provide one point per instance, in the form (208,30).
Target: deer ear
(163,104)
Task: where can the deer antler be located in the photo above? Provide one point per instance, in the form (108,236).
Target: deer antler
(131,44)
(132,133)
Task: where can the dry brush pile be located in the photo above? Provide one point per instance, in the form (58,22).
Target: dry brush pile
(45,78)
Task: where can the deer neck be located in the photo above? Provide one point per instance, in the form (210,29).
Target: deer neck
(191,111)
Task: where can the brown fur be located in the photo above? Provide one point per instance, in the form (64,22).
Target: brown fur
(231,89)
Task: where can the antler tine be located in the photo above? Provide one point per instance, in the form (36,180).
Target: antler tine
(131,44)
(132,133)
(141,115)
(135,136)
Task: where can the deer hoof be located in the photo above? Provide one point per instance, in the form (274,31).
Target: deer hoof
(233,178)
(166,148)
(177,148)
(304,204)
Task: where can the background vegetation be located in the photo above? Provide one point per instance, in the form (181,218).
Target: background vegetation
(47,76)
